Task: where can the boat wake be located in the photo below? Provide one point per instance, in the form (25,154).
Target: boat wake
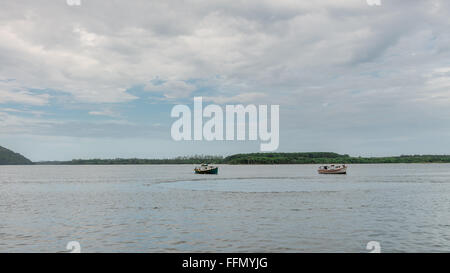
(257,185)
(163,181)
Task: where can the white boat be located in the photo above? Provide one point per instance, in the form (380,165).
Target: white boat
(333,169)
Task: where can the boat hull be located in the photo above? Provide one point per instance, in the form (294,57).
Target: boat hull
(336,171)
(210,171)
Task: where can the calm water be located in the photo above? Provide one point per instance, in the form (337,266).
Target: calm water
(286,208)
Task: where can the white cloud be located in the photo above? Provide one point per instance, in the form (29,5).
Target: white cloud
(105,112)
(11,92)
(32,112)
(23,97)
(13,124)
(251,98)
(171,88)
(438,85)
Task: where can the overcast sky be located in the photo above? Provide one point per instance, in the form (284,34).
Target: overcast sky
(100,79)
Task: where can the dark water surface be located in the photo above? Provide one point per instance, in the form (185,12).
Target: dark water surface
(287,208)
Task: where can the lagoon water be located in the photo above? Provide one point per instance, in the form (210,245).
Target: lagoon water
(284,208)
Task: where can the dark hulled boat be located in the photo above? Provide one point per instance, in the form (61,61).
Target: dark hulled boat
(206,169)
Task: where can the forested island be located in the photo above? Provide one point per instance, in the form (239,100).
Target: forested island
(264,158)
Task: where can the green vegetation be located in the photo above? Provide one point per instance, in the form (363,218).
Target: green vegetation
(198,159)
(285,158)
(328,158)
(264,158)
(8,157)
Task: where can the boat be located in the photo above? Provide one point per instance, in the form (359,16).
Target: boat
(333,169)
(206,169)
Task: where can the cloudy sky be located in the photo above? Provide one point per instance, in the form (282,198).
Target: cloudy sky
(100,79)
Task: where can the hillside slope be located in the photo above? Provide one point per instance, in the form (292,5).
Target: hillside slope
(8,157)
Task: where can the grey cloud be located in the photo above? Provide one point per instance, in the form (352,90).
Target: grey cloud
(317,59)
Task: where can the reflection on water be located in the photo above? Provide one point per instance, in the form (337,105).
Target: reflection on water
(287,208)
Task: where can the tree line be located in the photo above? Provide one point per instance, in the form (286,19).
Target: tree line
(264,158)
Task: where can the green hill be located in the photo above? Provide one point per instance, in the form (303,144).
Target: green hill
(8,157)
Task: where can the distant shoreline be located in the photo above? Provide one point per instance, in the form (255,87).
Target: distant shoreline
(8,157)
(177,164)
(262,159)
